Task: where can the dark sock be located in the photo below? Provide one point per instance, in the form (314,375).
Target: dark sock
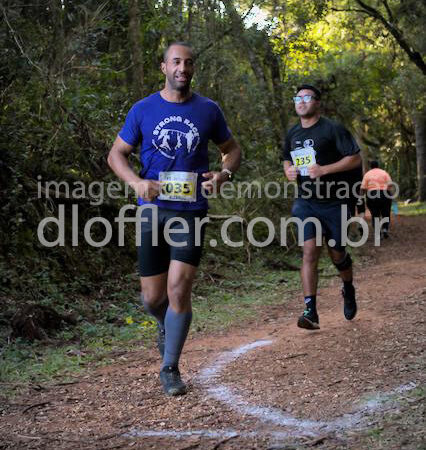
(311,303)
(177,327)
(348,286)
(158,311)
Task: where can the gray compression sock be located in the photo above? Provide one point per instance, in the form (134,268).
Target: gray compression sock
(177,327)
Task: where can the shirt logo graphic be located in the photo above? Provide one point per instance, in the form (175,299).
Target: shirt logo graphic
(307,144)
(175,134)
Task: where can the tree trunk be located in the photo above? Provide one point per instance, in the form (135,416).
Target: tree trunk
(358,134)
(135,40)
(275,101)
(58,42)
(239,32)
(189,21)
(420,130)
(177,11)
(278,102)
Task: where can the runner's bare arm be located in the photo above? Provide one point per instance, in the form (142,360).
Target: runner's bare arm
(346,163)
(391,188)
(290,171)
(231,155)
(231,160)
(118,160)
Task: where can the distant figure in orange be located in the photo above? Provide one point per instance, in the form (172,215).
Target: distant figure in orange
(377,183)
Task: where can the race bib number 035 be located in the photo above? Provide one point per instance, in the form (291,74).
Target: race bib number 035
(302,159)
(178,186)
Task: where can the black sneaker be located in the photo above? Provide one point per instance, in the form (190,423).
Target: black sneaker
(308,320)
(171,381)
(349,303)
(161,338)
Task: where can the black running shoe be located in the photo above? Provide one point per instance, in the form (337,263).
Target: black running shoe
(308,320)
(349,303)
(171,381)
(161,338)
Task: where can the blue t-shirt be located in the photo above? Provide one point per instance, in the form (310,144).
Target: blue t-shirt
(174,137)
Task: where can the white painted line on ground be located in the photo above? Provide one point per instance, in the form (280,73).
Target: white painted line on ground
(208,378)
(227,396)
(376,403)
(212,434)
(209,434)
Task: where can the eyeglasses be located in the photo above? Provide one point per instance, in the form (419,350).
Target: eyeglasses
(305,98)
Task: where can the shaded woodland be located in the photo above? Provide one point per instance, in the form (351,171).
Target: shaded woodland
(70,71)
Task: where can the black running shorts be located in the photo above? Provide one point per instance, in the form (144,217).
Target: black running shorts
(168,234)
(329,215)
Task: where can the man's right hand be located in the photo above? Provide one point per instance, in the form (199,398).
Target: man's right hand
(291,173)
(118,160)
(148,190)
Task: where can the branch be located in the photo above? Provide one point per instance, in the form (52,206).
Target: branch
(349,10)
(369,142)
(226,32)
(104,69)
(248,11)
(239,33)
(388,10)
(6,89)
(413,55)
(213,43)
(35,405)
(15,37)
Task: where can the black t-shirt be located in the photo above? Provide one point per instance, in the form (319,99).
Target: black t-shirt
(325,142)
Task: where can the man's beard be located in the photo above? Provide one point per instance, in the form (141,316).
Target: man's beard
(308,114)
(182,88)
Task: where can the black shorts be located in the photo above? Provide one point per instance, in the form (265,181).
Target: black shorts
(356,205)
(183,242)
(329,215)
(379,203)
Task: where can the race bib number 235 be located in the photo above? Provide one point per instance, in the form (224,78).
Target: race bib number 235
(303,158)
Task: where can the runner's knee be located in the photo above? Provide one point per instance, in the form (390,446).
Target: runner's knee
(310,258)
(343,264)
(152,299)
(310,254)
(178,289)
(179,293)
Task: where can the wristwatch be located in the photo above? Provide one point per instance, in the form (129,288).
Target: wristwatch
(229,173)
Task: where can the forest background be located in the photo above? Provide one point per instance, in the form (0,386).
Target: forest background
(70,71)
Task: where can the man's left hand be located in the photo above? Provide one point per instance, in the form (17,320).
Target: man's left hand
(315,171)
(214,180)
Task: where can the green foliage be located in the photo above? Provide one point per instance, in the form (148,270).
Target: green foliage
(66,86)
(411,209)
(226,291)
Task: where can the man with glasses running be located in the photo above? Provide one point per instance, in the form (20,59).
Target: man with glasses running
(318,152)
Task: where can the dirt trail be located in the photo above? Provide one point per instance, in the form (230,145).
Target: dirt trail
(296,389)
